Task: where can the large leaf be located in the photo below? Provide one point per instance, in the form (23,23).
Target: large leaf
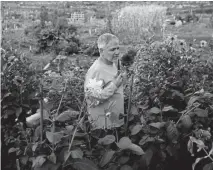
(146,139)
(123,159)
(77,153)
(108,139)
(136,149)
(82,164)
(201,113)
(11,150)
(124,143)
(208,166)
(18,111)
(157,125)
(186,121)
(38,161)
(155,110)
(126,167)
(107,157)
(67,115)
(54,138)
(52,157)
(136,129)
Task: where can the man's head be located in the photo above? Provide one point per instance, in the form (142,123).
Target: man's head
(108,45)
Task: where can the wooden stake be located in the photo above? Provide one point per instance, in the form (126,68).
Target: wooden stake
(41,107)
(129,104)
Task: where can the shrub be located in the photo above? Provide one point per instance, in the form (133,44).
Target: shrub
(133,24)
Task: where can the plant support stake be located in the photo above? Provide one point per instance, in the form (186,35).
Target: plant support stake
(129,104)
(41,107)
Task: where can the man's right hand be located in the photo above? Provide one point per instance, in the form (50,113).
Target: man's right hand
(118,80)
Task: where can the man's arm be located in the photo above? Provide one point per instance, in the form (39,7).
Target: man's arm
(95,91)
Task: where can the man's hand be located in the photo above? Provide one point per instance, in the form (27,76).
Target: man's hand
(118,80)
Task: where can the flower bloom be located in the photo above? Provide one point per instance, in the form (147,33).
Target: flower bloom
(203,43)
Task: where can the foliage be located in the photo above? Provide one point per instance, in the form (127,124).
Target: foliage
(19,84)
(59,40)
(133,24)
(172,101)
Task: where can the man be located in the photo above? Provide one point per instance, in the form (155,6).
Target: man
(104,86)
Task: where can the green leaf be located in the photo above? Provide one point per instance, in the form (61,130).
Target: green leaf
(34,147)
(38,161)
(208,166)
(124,143)
(52,157)
(169,108)
(147,157)
(48,166)
(201,113)
(154,110)
(69,129)
(208,95)
(107,157)
(24,160)
(143,121)
(186,122)
(146,139)
(134,110)
(108,139)
(190,147)
(126,167)
(200,143)
(192,100)
(136,149)
(37,133)
(13,150)
(123,159)
(66,155)
(82,164)
(77,153)
(67,115)
(54,138)
(18,111)
(157,125)
(136,129)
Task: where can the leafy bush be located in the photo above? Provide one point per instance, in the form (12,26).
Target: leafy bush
(61,39)
(172,104)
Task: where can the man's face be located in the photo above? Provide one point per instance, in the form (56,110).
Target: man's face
(111,51)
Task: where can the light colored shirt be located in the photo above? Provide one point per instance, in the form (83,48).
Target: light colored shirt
(101,94)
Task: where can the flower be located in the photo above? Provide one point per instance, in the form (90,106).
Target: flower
(203,43)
